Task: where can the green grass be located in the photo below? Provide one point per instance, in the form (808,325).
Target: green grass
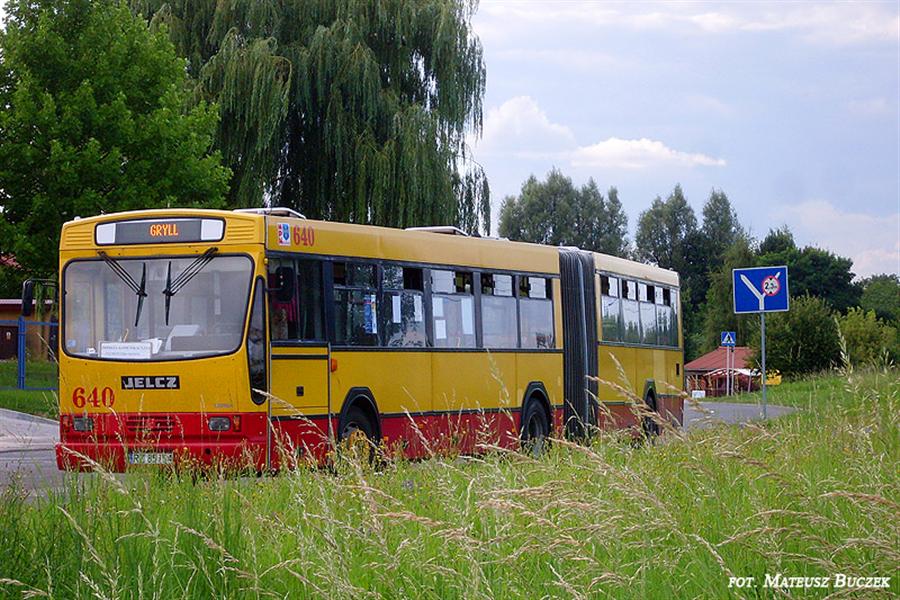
(802,393)
(38,373)
(42,404)
(812,494)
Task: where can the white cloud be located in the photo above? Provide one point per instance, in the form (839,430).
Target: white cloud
(830,23)
(872,241)
(871,107)
(520,129)
(616,153)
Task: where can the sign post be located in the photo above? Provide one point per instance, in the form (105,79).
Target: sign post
(729,340)
(761,290)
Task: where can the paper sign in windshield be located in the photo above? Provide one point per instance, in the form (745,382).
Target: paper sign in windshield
(126,350)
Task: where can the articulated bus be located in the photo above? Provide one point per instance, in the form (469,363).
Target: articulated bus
(263,337)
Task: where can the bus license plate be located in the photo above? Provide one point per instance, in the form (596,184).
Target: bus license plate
(150,458)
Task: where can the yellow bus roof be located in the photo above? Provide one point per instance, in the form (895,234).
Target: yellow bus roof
(369,241)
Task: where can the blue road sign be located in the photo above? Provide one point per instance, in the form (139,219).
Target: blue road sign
(729,338)
(760,290)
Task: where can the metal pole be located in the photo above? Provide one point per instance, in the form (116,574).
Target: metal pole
(731,370)
(730,367)
(733,392)
(20,349)
(762,327)
(727,371)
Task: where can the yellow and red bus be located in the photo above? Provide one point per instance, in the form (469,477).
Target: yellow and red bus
(266,337)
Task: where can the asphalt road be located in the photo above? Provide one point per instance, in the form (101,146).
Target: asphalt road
(26,451)
(708,414)
(27,442)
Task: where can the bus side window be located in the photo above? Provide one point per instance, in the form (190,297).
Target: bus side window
(674,316)
(609,309)
(535,312)
(453,309)
(498,311)
(282,299)
(646,297)
(403,317)
(631,313)
(356,304)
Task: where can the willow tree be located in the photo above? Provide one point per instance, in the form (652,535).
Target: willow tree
(343,109)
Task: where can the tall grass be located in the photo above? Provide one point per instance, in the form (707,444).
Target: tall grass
(812,494)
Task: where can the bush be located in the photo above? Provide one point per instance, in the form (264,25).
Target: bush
(801,340)
(867,338)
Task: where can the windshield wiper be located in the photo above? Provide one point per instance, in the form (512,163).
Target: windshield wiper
(127,279)
(173,287)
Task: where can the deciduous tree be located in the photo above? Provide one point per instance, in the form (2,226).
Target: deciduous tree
(664,230)
(344,110)
(555,212)
(801,340)
(881,293)
(92,119)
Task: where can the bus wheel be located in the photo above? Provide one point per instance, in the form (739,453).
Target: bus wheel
(649,426)
(535,429)
(357,434)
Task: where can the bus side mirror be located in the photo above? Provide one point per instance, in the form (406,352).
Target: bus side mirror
(284,284)
(27,298)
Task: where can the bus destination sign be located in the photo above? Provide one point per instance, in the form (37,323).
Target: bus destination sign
(160,231)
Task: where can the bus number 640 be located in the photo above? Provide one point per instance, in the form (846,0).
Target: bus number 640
(304,236)
(105,397)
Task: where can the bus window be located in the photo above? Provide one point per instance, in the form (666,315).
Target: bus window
(673,319)
(609,309)
(403,319)
(311,301)
(282,300)
(648,323)
(631,316)
(256,349)
(498,311)
(453,309)
(663,323)
(536,313)
(356,307)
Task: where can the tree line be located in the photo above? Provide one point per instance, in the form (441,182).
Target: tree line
(833,318)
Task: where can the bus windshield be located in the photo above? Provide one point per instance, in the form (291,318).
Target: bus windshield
(159,308)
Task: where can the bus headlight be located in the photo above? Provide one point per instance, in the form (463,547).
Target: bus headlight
(219,423)
(83,424)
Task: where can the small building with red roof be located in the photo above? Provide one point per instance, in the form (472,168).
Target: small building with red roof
(710,372)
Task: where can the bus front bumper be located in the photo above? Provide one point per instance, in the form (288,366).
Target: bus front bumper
(185,440)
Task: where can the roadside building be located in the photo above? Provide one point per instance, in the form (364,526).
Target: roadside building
(709,373)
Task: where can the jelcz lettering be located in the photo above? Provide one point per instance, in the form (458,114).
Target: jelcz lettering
(151,382)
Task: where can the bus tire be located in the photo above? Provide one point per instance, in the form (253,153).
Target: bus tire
(357,428)
(535,428)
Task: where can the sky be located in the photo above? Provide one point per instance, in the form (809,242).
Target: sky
(791,108)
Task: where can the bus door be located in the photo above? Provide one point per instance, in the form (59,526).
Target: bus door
(299,401)
(576,268)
